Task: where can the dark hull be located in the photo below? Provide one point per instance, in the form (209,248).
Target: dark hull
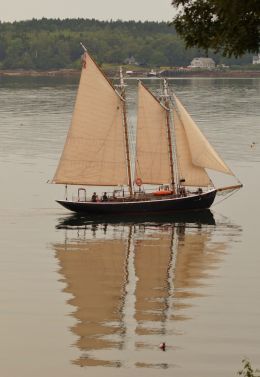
(167,205)
(197,218)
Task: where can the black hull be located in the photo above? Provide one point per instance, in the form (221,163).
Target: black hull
(197,218)
(167,205)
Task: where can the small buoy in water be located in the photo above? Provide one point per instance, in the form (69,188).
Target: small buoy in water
(162,346)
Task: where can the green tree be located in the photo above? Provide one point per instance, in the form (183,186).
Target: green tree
(232,27)
(53,43)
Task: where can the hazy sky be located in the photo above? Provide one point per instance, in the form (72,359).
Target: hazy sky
(152,10)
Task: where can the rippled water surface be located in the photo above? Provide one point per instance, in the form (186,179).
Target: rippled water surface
(98,297)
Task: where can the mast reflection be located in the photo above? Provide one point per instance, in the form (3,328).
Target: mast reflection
(129,281)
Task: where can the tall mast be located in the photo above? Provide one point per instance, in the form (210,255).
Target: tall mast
(167,105)
(122,88)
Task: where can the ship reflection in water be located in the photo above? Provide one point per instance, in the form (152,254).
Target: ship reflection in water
(132,281)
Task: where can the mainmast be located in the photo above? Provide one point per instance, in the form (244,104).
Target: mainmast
(167,106)
(122,88)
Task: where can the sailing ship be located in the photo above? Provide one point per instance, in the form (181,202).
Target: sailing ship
(169,171)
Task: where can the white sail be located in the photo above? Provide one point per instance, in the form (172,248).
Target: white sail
(202,153)
(152,146)
(95,149)
(191,174)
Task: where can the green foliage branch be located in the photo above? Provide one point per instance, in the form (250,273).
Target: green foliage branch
(231,27)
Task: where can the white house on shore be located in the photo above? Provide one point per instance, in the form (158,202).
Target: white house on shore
(131,60)
(206,63)
(256,59)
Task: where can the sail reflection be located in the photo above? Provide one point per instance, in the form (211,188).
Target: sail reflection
(130,282)
(152,263)
(95,276)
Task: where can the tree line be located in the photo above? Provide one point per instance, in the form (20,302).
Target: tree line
(53,43)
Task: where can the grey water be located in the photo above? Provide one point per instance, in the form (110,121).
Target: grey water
(98,298)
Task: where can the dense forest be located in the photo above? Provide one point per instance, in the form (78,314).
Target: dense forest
(53,43)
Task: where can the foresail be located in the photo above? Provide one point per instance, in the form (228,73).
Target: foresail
(94,152)
(152,147)
(202,153)
(190,174)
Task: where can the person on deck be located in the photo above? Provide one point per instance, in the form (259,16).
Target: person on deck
(104,197)
(94,197)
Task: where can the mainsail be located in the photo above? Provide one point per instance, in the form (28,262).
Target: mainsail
(152,145)
(95,149)
(202,153)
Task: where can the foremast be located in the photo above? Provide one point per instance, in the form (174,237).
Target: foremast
(122,87)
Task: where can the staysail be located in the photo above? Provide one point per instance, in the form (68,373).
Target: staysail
(95,149)
(189,174)
(202,153)
(152,145)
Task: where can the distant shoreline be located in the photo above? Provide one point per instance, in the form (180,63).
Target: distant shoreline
(34,73)
(112,73)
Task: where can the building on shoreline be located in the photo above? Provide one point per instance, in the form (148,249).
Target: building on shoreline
(256,59)
(204,63)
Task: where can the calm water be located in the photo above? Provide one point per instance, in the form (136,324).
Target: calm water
(80,298)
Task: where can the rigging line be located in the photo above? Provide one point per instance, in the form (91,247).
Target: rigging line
(139,168)
(225,198)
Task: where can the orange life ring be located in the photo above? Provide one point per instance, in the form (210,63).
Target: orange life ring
(138,182)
